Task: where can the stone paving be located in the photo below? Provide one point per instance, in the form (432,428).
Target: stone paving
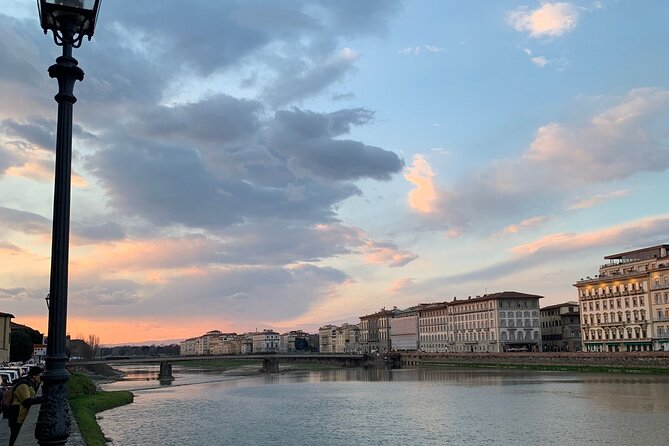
(27,434)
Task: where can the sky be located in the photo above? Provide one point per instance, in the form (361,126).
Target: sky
(242,165)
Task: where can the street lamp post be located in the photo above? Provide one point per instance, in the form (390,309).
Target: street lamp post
(70,21)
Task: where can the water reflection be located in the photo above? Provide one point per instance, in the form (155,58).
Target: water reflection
(396,407)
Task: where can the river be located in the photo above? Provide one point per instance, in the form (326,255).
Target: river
(396,407)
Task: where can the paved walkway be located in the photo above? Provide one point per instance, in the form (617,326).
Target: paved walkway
(27,434)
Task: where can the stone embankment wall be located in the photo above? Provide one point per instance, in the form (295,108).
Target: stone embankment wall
(580,359)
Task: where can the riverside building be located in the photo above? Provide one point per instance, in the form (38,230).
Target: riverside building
(404,329)
(499,322)
(433,327)
(375,331)
(626,306)
(561,327)
(266,341)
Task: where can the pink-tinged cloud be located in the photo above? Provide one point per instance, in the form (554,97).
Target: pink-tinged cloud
(387,254)
(624,234)
(42,171)
(374,252)
(563,162)
(549,19)
(423,198)
(613,144)
(401,285)
(525,224)
(597,199)
(130,329)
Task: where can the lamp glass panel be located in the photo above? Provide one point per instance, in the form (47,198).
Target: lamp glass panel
(80,4)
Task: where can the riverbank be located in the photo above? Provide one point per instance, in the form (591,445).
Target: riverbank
(87,401)
(616,362)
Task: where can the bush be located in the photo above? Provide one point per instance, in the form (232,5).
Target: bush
(80,385)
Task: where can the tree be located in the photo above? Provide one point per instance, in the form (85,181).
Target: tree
(94,344)
(21,343)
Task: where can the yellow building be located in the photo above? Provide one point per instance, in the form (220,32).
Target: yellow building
(626,306)
(5,329)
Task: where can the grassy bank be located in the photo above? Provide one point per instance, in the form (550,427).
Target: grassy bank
(550,367)
(86,402)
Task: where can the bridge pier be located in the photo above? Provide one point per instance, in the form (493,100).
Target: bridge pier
(165,373)
(270,365)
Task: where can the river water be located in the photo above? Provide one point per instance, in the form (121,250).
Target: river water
(397,407)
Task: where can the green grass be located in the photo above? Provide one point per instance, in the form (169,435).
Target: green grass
(86,402)
(551,367)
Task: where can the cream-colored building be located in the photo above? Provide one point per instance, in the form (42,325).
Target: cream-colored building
(375,331)
(626,306)
(5,330)
(327,336)
(267,341)
(347,339)
(499,322)
(188,347)
(433,327)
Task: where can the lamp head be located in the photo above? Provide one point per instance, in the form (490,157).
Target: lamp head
(69,19)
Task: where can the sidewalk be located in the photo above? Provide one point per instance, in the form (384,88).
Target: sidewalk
(27,434)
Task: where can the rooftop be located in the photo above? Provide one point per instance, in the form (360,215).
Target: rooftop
(640,254)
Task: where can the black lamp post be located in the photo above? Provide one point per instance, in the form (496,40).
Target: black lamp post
(70,21)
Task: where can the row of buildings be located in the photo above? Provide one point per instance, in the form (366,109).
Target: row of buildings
(625,307)
(266,341)
(507,321)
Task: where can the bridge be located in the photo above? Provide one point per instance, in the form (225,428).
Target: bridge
(270,362)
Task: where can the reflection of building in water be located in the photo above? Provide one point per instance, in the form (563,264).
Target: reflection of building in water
(561,327)
(647,394)
(626,306)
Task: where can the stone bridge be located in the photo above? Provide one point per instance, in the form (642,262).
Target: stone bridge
(270,362)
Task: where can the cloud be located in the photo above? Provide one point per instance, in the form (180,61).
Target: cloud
(387,253)
(301,80)
(635,233)
(416,50)
(597,199)
(612,145)
(25,222)
(308,139)
(524,224)
(564,160)
(217,119)
(539,61)
(423,198)
(9,247)
(549,19)
(402,285)
(206,186)
(553,248)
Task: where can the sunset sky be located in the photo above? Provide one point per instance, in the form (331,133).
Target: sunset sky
(241,165)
